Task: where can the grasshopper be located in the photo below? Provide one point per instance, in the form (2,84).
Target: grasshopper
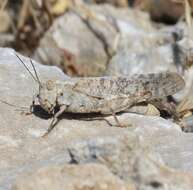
(104,95)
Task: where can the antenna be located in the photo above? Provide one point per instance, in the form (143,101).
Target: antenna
(27,69)
(13,105)
(38,79)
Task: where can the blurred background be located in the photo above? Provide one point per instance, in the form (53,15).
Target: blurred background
(89,37)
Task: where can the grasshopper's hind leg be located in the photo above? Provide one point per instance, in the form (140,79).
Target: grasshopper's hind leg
(118,123)
(55,120)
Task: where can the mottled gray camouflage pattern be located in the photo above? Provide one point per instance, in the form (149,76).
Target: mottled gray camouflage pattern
(107,94)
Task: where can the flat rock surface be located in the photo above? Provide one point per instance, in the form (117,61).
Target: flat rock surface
(78,140)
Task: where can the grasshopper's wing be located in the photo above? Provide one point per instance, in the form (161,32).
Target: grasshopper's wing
(156,85)
(98,87)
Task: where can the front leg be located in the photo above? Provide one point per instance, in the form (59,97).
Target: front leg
(55,120)
(31,108)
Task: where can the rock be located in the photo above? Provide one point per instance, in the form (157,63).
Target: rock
(173,146)
(71,177)
(149,61)
(118,154)
(148,175)
(151,50)
(70,46)
(104,26)
(100,24)
(186,45)
(145,171)
(126,33)
(77,139)
(151,53)
(187,123)
(134,30)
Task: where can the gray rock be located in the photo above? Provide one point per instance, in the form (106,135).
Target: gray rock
(74,139)
(149,175)
(174,147)
(84,39)
(145,173)
(124,29)
(118,154)
(152,60)
(69,44)
(149,53)
(186,46)
(71,177)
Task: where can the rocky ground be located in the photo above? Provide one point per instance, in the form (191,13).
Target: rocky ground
(152,151)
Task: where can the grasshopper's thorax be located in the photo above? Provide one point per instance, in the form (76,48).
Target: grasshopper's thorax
(48,96)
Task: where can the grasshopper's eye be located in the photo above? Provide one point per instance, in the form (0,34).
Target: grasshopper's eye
(50,85)
(61,94)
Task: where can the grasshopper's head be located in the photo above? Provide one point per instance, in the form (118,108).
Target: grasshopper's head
(47,92)
(48,96)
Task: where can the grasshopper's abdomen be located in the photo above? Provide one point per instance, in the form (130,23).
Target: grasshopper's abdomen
(158,84)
